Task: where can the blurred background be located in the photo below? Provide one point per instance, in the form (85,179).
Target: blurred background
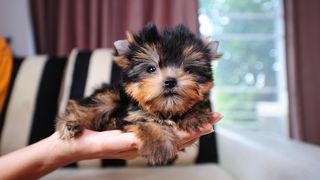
(251,77)
(267,81)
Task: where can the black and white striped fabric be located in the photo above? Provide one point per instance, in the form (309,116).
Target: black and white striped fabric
(31,104)
(41,87)
(87,71)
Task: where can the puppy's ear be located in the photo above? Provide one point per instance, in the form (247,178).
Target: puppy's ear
(213,46)
(122,47)
(130,37)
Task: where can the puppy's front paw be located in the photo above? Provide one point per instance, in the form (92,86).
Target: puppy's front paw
(69,129)
(159,153)
(159,143)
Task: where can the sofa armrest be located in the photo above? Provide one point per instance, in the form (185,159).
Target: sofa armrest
(252,155)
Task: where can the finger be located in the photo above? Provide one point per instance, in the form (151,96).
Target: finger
(216,117)
(127,155)
(188,143)
(216,114)
(133,143)
(126,152)
(205,129)
(113,141)
(187,136)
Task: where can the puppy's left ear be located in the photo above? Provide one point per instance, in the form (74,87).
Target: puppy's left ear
(122,47)
(213,46)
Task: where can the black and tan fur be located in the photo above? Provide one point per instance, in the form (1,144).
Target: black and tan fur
(167,77)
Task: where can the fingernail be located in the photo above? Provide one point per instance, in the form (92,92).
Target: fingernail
(205,128)
(216,119)
(211,131)
(216,114)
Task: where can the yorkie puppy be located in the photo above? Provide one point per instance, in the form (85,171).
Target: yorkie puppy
(167,77)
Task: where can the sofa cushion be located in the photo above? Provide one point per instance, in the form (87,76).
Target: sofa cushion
(203,172)
(86,71)
(41,87)
(31,104)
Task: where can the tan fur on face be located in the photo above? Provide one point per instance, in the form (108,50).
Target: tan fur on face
(191,55)
(149,92)
(146,90)
(172,72)
(148,52)
(206,87)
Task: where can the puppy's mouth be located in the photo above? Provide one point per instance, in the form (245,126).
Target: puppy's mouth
(170,93)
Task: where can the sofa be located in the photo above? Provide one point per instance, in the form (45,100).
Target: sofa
(41,85)
(243,155)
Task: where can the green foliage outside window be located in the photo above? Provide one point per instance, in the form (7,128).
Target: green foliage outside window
(248,72)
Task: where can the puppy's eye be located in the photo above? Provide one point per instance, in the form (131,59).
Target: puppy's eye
(188,70)
(151,69)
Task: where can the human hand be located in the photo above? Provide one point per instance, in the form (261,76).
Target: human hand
(116,144)
(188,139)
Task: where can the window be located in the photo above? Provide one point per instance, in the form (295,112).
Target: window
(250,85)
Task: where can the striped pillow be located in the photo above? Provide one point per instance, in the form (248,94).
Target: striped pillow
(31,104)
(85,72)
(34,100)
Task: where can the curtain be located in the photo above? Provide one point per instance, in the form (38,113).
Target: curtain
(60,25)
(303,63)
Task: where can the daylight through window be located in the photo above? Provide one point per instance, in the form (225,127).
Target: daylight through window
(250,85)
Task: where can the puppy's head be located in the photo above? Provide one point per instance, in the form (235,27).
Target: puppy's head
(166,72)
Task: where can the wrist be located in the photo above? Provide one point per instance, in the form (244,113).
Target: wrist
(75,149)
(62,152)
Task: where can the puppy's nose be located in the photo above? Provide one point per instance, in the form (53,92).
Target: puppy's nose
(170,82)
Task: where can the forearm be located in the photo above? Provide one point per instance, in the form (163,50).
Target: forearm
(51,153)
(36,160)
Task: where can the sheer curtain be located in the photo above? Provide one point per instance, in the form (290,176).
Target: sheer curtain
(61,25)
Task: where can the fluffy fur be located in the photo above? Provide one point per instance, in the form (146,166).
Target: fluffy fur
(166,76)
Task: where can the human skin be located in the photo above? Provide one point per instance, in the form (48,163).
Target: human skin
(45,156)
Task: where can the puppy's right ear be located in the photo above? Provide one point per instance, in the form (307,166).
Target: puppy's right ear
(122,47)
